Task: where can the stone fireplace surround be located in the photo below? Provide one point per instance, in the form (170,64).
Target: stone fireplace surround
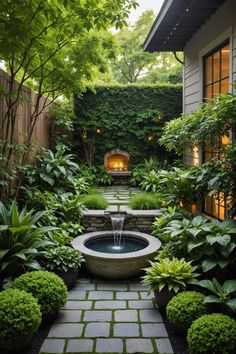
(116,160)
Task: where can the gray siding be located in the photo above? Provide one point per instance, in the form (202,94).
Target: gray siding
(220,27)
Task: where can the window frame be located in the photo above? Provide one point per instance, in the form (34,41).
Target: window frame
(216,200)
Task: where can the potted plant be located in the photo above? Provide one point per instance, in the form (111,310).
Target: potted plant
(65,262)
(167,277)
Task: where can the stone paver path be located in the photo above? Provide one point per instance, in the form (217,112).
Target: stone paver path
(108,317)
(118,197)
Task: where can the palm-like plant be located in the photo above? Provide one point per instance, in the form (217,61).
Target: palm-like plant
(20,239)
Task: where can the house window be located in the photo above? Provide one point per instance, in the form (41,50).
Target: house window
(216,81)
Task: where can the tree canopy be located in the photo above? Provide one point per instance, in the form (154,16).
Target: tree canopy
(132,64)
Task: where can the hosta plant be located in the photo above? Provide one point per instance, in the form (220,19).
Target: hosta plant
(173,274)
(54,171)
(223,295)
(21,241)
(213,244)
(62,258)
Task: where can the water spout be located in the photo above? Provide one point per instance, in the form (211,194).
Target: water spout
(117,221)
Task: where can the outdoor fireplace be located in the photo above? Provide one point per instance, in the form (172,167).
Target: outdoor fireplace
(116,161)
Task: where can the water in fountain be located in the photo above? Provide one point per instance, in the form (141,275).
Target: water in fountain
(117,221)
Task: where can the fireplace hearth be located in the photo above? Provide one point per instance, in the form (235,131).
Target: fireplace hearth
(116,163)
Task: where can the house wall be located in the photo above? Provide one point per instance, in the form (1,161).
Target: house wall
(220,27)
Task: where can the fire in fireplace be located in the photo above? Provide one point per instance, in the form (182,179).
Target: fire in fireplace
(116,161)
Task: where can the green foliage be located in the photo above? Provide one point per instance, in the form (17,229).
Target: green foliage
(210,123)
(165,216)
(127,116)
(215,334)
(144,168)
(19,316)
(173,274)
(53,171)
(178,186)
(46,287)
(224,295)
(20,239)
(184,308)
(213,244)
(94,201)
(61,259)
(60,46)
(146,201)
(132,63)
(63,211)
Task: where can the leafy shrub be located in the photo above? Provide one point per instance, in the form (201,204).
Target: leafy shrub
(215,334)
(46,287)
(94,201)
(19,316)
(178,233)
(62,259)
(143,168)
(53,171)
(102,177)
(173,274)
(184,308)
(146,201)
(150,182)
(165,216)
(20,239)
(63,211)
(213,244)
(224,295)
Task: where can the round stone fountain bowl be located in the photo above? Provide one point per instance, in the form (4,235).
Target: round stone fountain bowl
(119,265)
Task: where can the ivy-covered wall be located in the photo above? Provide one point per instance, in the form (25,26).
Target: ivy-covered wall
(129,117)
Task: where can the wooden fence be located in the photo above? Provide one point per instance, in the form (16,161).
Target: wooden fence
(41,134)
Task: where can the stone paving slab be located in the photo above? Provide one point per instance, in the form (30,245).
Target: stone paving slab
(108,317)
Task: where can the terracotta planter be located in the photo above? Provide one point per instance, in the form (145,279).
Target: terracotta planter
(163,297)
(69,277)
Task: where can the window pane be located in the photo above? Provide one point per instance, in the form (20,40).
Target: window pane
(208,92)
(216,89)
(225,61)
(216,66)
(215,206)
(225,86)
(208,70)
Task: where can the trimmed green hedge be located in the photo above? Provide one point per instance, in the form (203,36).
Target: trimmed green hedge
(129,117)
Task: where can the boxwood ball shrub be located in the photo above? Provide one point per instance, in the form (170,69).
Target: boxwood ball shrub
(184,308)
(48,288)
(20,317)
(215,334)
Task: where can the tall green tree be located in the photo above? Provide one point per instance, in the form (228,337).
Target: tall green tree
(133,64)
(52,45)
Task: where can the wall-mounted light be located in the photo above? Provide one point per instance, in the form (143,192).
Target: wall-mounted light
(150,137)
(98,131)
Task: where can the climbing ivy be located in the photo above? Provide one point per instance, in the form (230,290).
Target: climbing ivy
(129,117)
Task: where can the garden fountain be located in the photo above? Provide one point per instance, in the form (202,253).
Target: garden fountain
(116,254)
